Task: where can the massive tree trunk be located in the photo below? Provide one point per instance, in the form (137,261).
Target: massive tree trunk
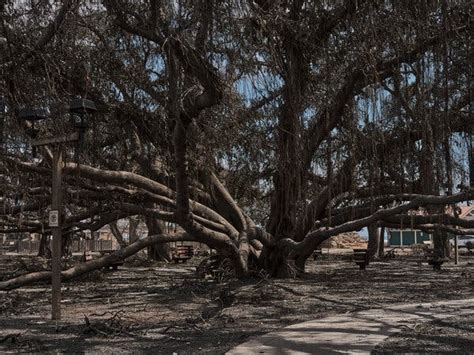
(275,261)
(288,178)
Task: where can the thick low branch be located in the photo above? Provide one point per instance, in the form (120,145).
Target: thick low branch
(441,219)
(313,238)
(92,265)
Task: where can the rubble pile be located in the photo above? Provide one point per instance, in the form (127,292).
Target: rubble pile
(349,240)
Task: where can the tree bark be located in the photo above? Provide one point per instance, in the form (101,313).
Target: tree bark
(117,234)
(381,250)
(274,259)
(132,229)
(44,249)
(374,239)
(161,251)
(441,245)
(66,242)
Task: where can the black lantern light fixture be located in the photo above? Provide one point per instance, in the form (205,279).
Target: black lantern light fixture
(79,108)
(33,115)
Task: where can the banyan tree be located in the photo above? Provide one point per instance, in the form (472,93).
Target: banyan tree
(259,128)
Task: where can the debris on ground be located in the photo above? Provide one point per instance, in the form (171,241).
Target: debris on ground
(168,308)
(114,324)
(453,335)
(350,240)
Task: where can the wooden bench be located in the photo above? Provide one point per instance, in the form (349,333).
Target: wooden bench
(317,253)
(87,256)
(182,253)
(360,258)
(113,266)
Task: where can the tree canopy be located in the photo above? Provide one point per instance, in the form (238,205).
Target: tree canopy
(261,128)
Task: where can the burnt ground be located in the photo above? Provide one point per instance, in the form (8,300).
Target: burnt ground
(166,308)
(454,335)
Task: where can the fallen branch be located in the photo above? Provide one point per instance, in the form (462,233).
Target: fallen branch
(95,264)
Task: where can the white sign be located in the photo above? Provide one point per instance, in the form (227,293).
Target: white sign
(54,218)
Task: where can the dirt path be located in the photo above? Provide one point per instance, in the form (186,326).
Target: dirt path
(163,309)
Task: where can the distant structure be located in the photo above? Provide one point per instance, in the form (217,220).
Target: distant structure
(407,236)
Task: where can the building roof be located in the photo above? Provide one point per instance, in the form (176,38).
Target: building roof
(467,212)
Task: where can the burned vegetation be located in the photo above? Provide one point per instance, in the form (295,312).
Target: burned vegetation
(248,132)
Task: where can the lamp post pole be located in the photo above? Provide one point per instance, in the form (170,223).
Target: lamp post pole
(57,234)
(55,216)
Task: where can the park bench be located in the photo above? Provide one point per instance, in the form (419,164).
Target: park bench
(7,249)
(3,250)
(360,258)
(113,266)
(87,256)
(317,253)
(182,253)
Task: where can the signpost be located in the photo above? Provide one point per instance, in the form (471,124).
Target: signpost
(78,108)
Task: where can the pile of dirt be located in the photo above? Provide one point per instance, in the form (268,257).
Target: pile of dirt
(349,240)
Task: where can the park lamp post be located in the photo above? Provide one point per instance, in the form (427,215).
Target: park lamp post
(79,108)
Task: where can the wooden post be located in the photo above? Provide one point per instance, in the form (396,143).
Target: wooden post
(456,251)
(56,248)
